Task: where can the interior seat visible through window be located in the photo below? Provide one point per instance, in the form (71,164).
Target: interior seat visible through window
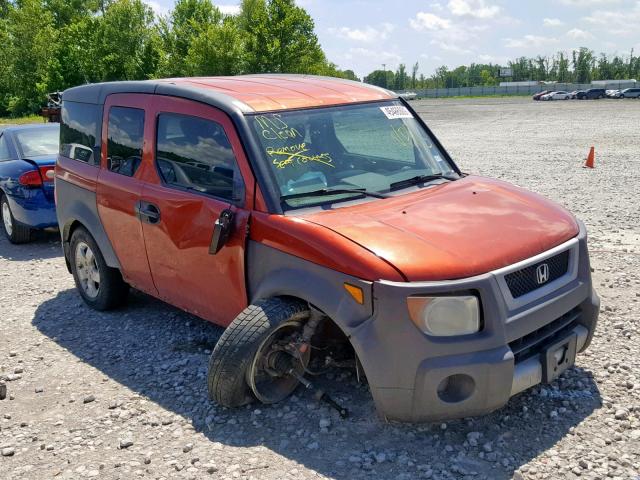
(195,153)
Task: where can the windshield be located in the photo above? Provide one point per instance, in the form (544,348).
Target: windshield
(376,147)
(34,142)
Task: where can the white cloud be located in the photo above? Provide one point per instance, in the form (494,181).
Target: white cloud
(473,8)
(552,22)
(624,23)
(367,34)
(529,41)
(429,21)
(589,3)
(229,9)
(577,34)
(450,47)
(492,58)
(435,58)
(375,54)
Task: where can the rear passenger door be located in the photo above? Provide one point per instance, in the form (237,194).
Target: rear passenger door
(200,171)
(120,185)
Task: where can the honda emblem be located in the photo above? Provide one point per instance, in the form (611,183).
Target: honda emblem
(542,273)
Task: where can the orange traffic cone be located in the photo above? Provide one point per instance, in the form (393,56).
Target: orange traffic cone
(590,159)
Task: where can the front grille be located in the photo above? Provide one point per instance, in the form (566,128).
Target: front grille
(524,281)
(534,342)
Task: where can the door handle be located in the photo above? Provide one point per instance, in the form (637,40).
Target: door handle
(147,212)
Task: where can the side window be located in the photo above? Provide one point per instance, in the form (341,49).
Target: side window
(79,130)
(4,148)
(196,154)
(125,135)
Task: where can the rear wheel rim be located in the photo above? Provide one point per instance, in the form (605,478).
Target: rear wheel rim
(6,218)
(272,389)
(87,270)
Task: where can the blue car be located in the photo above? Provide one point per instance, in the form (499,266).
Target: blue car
(27,162)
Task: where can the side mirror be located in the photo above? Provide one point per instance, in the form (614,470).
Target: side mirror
(222,228)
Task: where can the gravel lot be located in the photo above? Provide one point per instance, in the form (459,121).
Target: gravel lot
(122,394)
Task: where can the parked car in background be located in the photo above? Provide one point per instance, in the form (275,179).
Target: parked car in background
(560,95)
(573,94)
(612,93)
(591,94)
(322,222)
(27,161)
(627,93)
(538,95)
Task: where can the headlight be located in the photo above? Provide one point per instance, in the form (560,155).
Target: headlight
(445,316)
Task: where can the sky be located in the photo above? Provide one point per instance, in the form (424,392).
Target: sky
(361,35)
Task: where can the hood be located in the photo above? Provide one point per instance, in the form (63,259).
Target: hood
(455,229)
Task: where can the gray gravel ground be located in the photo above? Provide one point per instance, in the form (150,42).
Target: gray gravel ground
(122,394)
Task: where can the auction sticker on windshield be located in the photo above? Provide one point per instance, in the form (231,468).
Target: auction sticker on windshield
(396,111)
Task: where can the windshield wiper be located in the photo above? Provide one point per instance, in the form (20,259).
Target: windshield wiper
(407,182)
(333,191)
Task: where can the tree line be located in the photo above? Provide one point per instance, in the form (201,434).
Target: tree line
(581,66)
(50,45)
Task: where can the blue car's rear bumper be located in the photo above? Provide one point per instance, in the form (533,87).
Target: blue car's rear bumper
(35,210)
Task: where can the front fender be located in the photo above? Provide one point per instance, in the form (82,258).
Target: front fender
(272,272)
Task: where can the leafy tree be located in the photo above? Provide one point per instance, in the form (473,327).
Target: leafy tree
(401,79)
(280,38)
(189,20)
(65,12)
(348,74)
(414,74)
(384,79)
(30,37)
(129,47)
(216,51)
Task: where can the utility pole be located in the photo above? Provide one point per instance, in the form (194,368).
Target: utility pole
(384,71)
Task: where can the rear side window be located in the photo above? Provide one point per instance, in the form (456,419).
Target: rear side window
(195,154)
(80,130)
(125,134)
(4,148)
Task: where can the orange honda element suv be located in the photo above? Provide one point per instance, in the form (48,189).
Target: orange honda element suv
(321,222)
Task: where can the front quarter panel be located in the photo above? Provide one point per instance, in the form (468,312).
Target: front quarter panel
(273,273)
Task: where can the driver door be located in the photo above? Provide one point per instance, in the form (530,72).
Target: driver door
(200,174)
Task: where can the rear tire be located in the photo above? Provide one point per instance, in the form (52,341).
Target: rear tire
(14,231)
(238,346)
(100,286)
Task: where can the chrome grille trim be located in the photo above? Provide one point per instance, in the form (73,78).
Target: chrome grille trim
(572,272)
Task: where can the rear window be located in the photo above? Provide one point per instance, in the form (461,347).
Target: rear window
(80,131)
(36,142)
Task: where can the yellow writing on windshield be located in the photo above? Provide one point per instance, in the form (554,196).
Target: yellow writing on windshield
(274,128)
(401,135)
(296,155)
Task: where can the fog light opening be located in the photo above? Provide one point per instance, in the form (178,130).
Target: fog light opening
(456,388)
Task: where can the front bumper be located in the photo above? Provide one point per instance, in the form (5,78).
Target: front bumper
(414,377)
